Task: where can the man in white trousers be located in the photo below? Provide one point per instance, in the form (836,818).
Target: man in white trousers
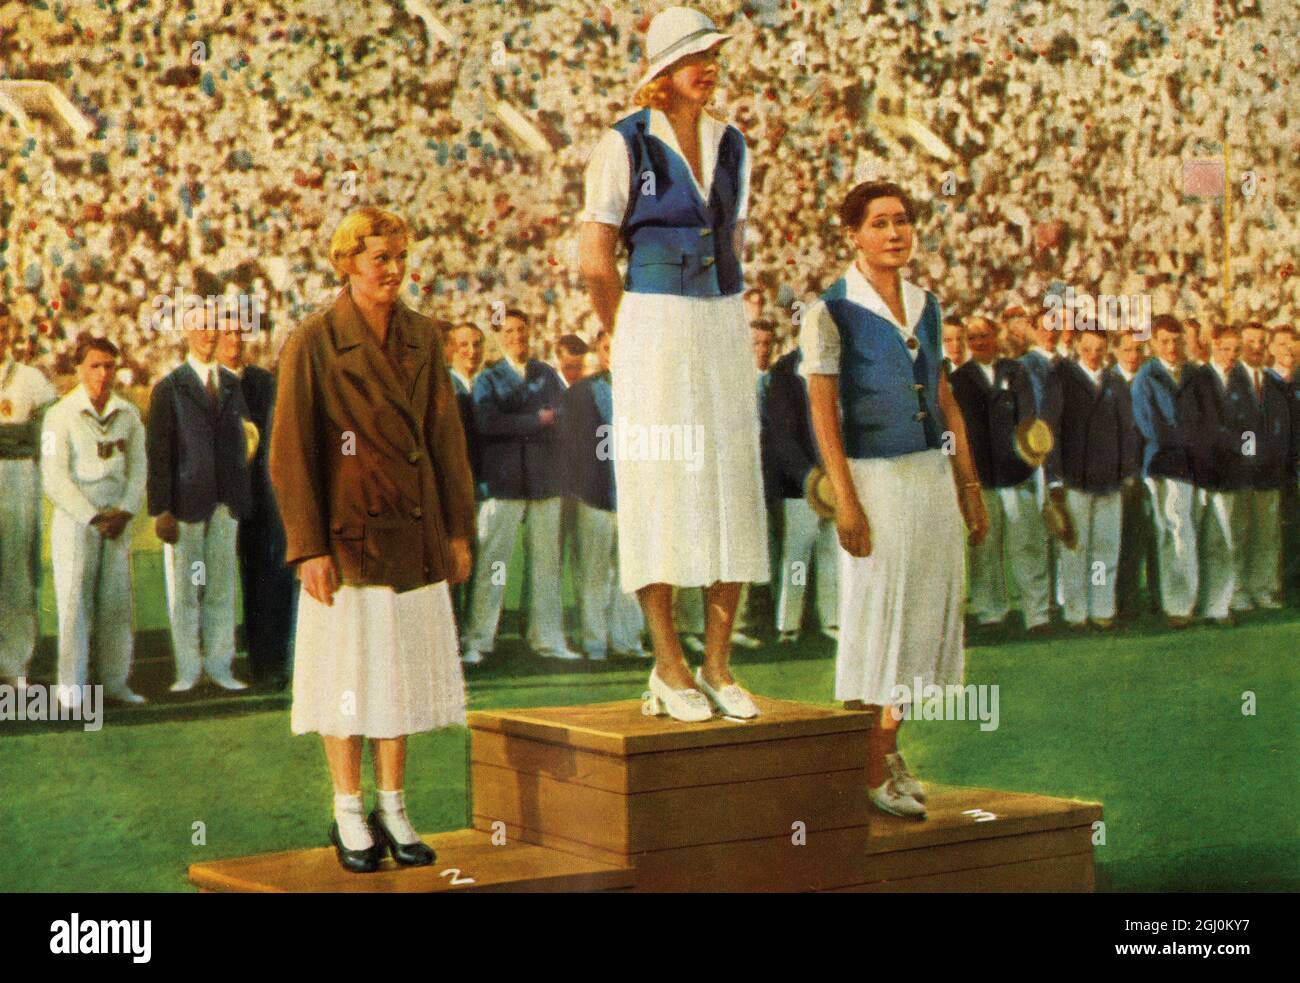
(1223,444)
(24,395)
(1164,408)
(1258,532)
(808,541)
(1094,457)
(93,470)
(996,395)
(611,621)
(517,407)
(199,487)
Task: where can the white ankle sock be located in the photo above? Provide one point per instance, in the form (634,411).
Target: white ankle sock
(392,813)
(350,814)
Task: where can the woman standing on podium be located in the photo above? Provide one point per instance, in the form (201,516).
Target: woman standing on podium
(369,466)
(672,181)
(894,448)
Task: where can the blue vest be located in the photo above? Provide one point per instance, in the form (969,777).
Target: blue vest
(677,243)
(889,403)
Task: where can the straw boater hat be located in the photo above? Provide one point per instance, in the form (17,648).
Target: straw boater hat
(675,33)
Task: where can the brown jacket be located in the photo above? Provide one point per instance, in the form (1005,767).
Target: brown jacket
(364,467)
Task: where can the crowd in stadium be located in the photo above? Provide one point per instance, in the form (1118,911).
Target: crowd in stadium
(228,141)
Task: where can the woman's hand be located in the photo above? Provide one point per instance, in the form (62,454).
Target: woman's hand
(461,561)
(320,577)
(851,523)
(974,513)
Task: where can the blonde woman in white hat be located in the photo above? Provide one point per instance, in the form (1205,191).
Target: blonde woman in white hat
(671,181)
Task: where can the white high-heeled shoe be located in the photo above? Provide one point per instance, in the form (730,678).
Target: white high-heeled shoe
(687,705)
(731,699)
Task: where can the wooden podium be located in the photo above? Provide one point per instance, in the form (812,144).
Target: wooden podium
(603,797)
(774,804)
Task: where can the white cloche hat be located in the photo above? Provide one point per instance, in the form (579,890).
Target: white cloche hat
(675,33)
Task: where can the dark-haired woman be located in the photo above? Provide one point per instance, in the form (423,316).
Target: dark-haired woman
(894,449)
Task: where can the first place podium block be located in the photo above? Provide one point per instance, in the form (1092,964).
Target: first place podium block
(774,804)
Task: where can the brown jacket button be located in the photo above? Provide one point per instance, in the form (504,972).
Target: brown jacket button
(417,513)
(413,457)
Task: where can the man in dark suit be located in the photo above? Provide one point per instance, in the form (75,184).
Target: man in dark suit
(1041,357)
(1284,347)
(270,594)
(1222,433)
(995,395)
(789,454)
(1137,539)
(517,411)
(199,488)
(1095,455)
(1258,531)
(954,346)
(611,620)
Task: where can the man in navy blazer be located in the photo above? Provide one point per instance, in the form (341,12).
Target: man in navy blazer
(1137,539)
(269,587)
(1257,535)
(1095,455)
(995,396)
(464,358)
(199,489)
(790,453)
(517,415)
(611,620)
(1284,349)
(1041,357)
(1164,406)
(1224,432)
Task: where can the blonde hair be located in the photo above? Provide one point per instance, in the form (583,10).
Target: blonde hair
(656,94)
(349,239)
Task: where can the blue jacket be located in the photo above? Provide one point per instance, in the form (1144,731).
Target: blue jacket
(1039,367)
(518,456)
(1225,416)
(889,403)
(1291,388)
(1166,413)
(992,413)
(789,445)
(1096,442)
(676,242)
(197,461)
(588,457)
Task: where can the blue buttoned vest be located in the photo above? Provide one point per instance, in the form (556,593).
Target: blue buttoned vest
(677,243)
(889,403)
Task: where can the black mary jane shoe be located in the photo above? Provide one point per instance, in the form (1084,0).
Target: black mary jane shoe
(357,861)
(417,854)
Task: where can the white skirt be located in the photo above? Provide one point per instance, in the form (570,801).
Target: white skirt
(685,443)
(377,663)
(901,607)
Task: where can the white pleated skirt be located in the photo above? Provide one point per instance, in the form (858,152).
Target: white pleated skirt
(377,663)
(901,607)
(685,443)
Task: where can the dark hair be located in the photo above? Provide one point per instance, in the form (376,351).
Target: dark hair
(513,312)
(763,324)
(1285,329)
(1225,330)
(468,324)
(4,309)
(87,343)
(1166,322)
(572,344)
(854,207)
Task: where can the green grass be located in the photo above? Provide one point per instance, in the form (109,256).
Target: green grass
(1196,795)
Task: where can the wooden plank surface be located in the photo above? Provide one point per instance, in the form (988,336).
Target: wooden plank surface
(621,728)
(1069,874)
(669,818)
(515,866)
(657,770)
